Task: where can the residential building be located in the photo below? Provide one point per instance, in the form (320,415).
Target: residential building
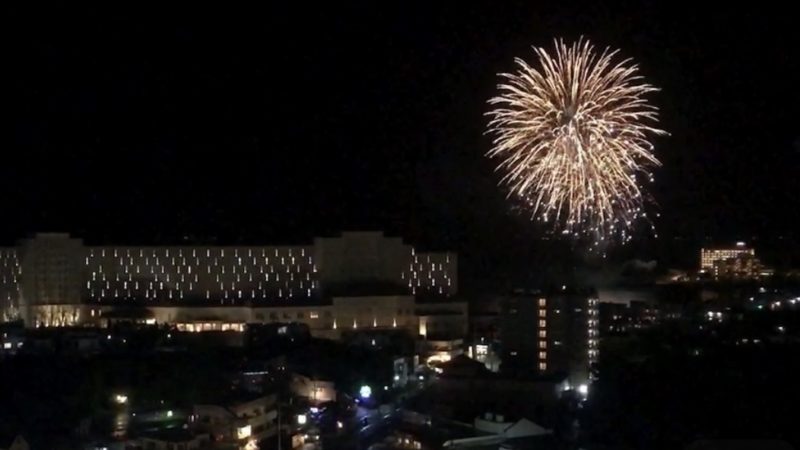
(621,318)
(550,332)
(238,421)
(314,389)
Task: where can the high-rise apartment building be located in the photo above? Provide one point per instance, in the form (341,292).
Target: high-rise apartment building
(552,331)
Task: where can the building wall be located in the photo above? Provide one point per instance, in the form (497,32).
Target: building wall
(215,274)
(395,311)
(317,318)
(551,332)
(56,315)
(443,319)
(370,257)
(53,280)
(10,272)
(238,423)
(443,351)
(432,273)
(519,330)
(327,321)
(573,332)
(708,256)
(361,257)
(50,275)
(259,414)
(316,391)
(742,267)
(183,316)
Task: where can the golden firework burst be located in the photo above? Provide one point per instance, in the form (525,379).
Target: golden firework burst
(572,138)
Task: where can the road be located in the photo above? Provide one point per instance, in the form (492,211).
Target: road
(365,428)
(368,426)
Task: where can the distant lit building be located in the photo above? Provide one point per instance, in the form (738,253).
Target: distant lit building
(741,267)
(622,318)
(551,332)
(356,279)
(732,263)
(709,256)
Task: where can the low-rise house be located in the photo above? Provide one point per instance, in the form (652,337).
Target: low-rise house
(174,439)
(239,420)
(13,443)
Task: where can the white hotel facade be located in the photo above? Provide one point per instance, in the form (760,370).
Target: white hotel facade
(356,279)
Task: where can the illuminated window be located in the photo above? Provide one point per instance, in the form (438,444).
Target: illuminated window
(542,344)
(542,302)
(542,333)
(542,313)
(542,323)
(542,355)
(542,366)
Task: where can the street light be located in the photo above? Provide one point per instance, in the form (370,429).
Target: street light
(365,392)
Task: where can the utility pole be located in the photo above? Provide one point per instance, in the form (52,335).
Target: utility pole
(279,425)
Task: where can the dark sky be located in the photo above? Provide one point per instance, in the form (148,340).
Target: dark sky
(280,123)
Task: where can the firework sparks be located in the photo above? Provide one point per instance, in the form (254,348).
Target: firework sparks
(572,139)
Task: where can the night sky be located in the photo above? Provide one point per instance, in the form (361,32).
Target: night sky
(278,124)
